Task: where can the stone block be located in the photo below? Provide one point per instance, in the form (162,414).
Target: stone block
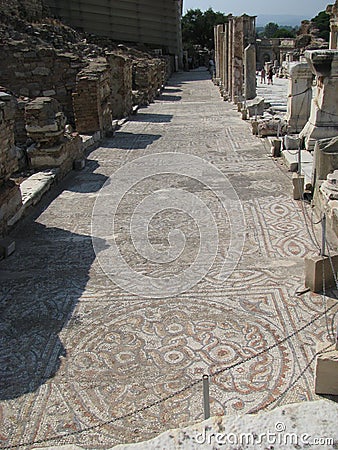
(276,146)
(330,186)
(298,186)
(326,372)
(7,247)
(317,269)
(291,158)
(323,120)
(291,142)
(45,121)
(255,106)
(271,127)
(326,157)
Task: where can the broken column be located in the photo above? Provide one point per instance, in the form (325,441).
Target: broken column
(323,120)
(250,72)
(52,148)
(299,96)
(10,195)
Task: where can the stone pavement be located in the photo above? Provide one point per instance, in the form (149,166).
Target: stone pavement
(275,94)
(78,350)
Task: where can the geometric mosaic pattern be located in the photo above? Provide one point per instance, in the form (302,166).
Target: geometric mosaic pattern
(77,350)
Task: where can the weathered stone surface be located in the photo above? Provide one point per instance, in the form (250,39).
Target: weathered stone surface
(45,121)
(255,106)
(250,72)
(330,186)
(291,158)
(8,155)
(326,157)
(299,96)
(10,203)
(10,197)
(92,99)
(323,121)
(318,272)
(62,155)
(43,72)
(271,127)
(326,378)
(121,85)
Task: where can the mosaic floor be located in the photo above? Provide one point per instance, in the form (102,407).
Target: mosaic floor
(78,350)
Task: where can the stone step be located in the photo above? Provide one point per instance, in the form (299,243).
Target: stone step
(291,158)
(32,189)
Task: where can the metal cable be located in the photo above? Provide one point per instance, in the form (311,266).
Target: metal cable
(172,395)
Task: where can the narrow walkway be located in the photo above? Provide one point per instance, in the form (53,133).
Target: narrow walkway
(78,350)
(276,94)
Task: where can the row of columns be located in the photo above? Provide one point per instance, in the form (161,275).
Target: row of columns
(235,57)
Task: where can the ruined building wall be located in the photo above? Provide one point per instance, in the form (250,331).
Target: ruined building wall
(10,196)
(40,71)
(92,106)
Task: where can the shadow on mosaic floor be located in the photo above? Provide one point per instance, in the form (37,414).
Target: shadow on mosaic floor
(36,303)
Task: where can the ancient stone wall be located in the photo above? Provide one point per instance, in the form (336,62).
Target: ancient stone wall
(91,100)
(148,77)
(121,85)
(40,71)
(10,197)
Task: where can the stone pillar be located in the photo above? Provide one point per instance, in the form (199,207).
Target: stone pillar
(221,53)
(323,121)
(250,72)
(226,57)
(237,58)
(332,10)
(230,56)
(334,37)
(218,31)
(299,97)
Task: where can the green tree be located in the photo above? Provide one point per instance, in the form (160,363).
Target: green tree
(284,33)
(270,29)
(322,22)
(198,27)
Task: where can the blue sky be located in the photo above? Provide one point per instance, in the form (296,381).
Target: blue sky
(305,8)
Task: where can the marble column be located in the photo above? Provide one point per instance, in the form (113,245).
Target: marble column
(250,72)
(299,96)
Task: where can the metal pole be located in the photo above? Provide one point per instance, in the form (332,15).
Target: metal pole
(322,252)
(299,160)
(278,130)
(206,398)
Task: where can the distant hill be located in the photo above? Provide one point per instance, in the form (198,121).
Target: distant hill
(283,19)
